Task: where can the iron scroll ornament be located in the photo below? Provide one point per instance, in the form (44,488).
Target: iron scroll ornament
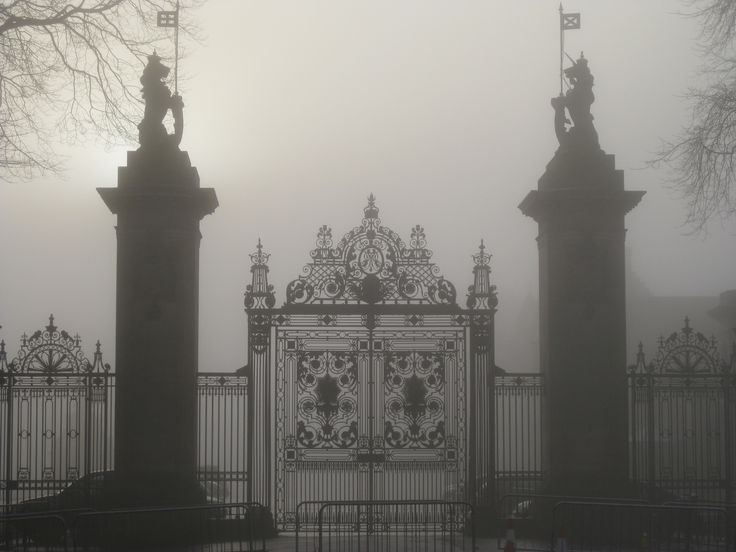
(371,264)
(54,351)
(684,353)
(327,400)
(414,385)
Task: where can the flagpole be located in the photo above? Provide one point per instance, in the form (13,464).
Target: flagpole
(176,51)
(562,49)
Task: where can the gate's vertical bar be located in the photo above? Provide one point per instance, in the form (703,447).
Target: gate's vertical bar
(370,325)
(259,303)
(106,415)
(88,435)
(728,428)
(482,303)
(633,434)
(9,421)
(651,471)
(249,436)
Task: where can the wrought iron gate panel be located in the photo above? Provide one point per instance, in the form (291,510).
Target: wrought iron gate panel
(320,375)
(419,442)
(56,414)
(222,436)
(519,410)
(682,420)
(363,413)
(57,420)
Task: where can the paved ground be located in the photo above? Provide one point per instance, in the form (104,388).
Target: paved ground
(287,543)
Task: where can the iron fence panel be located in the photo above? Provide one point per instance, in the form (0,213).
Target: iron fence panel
(682,416)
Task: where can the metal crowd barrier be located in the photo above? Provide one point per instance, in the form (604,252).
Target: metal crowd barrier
(386,526)
(593,526)
(46,532)
(530,517)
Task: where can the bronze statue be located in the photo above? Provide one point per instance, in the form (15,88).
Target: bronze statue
(151,131)
(577,101)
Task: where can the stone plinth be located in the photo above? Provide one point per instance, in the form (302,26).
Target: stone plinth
(580,206)
(159,204)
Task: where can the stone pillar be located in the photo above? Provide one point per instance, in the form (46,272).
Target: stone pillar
(580,206)
(159,204)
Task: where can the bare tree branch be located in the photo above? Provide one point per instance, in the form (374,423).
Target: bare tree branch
(703,157)
(70,69)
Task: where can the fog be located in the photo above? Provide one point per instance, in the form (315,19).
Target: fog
(297,111)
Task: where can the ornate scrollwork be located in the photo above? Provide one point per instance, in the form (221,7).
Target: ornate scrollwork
(686,352)
(324,237)
(327,399)
(259,332)
(299,291)
(414,386)
(443,292)
(53,351)
(418,238)
(371,264)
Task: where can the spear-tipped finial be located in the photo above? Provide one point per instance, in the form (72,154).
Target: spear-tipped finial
(482,258)
(259,258)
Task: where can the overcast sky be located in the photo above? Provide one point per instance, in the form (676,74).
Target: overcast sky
(296,111)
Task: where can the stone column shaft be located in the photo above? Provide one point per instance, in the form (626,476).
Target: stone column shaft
(159,205)
(580,207)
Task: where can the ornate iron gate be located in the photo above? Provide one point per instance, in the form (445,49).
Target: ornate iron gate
(55,409)
(683,420)
(57,420)
(383,385)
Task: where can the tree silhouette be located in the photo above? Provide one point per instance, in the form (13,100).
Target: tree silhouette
(704,155)
(69,70)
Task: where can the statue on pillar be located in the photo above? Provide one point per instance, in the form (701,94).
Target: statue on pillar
(152,134)
(577,101)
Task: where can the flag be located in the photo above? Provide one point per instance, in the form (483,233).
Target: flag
(167,19)
(569,21)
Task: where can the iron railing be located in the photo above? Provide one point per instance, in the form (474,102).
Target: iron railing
(385,526)
(519,415)
(56,429)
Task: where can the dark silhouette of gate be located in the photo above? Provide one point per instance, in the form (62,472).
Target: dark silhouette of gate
(57,420)
(683,420)
(382,383)
(55,414)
